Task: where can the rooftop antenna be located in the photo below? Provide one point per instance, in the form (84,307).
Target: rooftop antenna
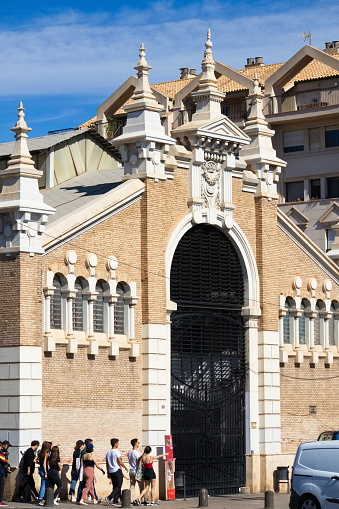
(307,37)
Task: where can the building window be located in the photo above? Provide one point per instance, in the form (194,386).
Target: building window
(332,136)
(293,141)
(314,138)
(333,187)
(77,310)
(56,303)
(331,338)
(295,191)
(119,315)
(315,189)
(302,324)
(289,304)
(320,306)
(98,308)
(330,237)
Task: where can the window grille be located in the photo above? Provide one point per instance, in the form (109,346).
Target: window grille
(98,308)
(331,327)
(77,309)
(289,303)
(302,325)
(56,304)
(317,326)
(119,315)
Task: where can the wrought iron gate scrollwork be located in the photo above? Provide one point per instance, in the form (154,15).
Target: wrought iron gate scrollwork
(208,362)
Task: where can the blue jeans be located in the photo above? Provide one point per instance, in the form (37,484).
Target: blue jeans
(44,483)
(75,478)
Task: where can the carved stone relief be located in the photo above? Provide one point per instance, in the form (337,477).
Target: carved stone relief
(210,184)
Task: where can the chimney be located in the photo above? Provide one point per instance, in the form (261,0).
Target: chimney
(257,61)
(331,47)
(185,73)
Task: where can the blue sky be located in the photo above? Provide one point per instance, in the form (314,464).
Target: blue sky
(63,59)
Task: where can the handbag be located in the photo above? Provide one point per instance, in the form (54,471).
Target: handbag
(140,473)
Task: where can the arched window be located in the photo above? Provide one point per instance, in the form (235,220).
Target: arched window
(331,329)
(304,307)
(77,311)
(318,307)
(98,308)
(119,316)
(56,304)
(289,304)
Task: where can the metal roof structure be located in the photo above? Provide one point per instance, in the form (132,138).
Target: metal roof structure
(81,190)
(45,142)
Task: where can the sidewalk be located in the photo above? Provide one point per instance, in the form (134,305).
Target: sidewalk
(248,501)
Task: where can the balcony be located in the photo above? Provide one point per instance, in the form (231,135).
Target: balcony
(300,101)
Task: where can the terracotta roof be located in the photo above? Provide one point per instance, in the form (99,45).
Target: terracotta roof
(314,70)
(89,123)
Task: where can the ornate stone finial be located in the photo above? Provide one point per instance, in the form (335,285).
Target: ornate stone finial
(207,97)
(21,198)
(142,66)
(20,156)
(208,54)
(256,91)
(20,127)
(143,96)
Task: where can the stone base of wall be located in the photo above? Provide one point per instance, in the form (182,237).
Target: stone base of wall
(261,471)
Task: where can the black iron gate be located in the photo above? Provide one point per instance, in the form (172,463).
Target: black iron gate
(208,362)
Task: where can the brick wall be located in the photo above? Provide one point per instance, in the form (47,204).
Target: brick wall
(301,387)
(91,398)
(20,300)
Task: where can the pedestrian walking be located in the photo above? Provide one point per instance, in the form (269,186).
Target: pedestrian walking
(149,474)
(114,465)
(133,460)
(53,474)
(81,481)
(80,444)
(4,466)
(89,462)
(5,450)
(28,467)
(42,460)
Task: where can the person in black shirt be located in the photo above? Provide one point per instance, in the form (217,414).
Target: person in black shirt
(28,468)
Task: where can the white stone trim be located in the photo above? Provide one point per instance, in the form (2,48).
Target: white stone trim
(20,397)
(156,383)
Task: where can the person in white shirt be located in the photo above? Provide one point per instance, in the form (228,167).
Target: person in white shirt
(133,460)
(114,465)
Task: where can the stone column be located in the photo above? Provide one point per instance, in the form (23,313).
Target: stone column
(49,343)
(156,383)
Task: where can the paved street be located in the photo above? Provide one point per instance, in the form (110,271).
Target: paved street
(248,501)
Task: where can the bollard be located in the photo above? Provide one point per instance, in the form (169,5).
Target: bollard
(49,497)
(126,498)
(203,498)
(269,499)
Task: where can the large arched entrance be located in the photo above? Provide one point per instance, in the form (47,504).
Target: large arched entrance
(208,362)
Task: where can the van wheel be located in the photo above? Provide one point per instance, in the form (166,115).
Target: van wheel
(309,502)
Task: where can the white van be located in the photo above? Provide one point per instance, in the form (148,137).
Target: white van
(315,476)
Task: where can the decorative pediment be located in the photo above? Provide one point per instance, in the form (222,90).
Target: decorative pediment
(220,128)
(298,218)
(224,128)
(331,215)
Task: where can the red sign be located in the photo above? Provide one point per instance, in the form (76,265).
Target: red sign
(169,468)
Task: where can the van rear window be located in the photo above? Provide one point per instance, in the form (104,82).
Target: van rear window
(327,460)
(306,458)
